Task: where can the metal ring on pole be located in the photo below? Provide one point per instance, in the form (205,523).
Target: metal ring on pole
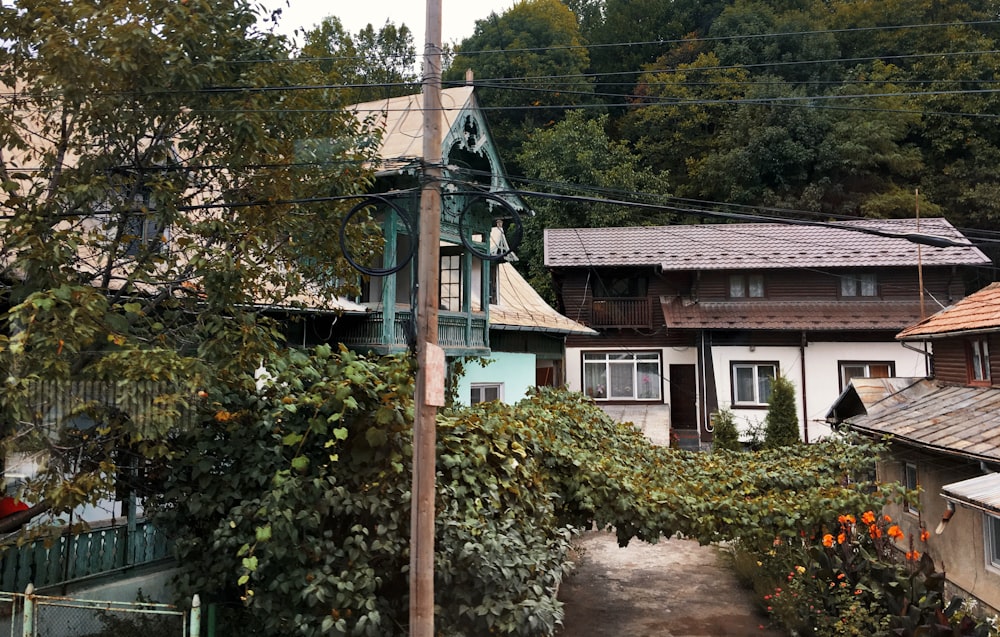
(366,201)
(512,243)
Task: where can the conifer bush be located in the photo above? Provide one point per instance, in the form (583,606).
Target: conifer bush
(781,426)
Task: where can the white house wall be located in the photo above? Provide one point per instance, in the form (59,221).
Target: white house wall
(515,371)
(787,359)
(822,373)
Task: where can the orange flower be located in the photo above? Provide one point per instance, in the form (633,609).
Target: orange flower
(868,517)
(874,531)
(924,535)
(846,519)
(828,540)
(841,538)
(913,555)
(895,532)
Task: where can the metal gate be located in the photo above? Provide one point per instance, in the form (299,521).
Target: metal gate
(30,615)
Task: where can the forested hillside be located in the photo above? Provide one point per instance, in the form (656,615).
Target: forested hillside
(820,109)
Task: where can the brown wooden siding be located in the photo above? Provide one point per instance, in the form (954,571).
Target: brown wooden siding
(576,287)
(951,362)
(795,284)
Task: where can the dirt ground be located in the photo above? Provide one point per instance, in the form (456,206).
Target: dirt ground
(675,588)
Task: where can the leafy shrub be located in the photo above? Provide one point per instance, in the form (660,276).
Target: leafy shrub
(725,436)
(295,499)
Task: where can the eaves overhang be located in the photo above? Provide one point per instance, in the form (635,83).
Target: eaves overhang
(981,492)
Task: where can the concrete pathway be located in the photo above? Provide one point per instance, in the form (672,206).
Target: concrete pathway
(675,588)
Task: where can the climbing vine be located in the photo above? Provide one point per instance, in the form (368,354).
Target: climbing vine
(294,501)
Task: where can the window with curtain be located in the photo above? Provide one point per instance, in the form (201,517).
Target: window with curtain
(622,375)
(752,382)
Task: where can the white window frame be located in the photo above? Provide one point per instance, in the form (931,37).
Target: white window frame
(867,365)
(481,388)
(979,360)
(450,287)
(991,541)
(634,376)
(755,367)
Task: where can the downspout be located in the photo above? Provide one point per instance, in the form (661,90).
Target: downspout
(703,416)
(802,365)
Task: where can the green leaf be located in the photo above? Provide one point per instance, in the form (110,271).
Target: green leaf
(376,437)
(263,533)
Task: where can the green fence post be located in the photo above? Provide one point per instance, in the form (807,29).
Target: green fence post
(210,624)
(195,616)
(28,626)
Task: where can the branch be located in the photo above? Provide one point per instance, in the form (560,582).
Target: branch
(15,521)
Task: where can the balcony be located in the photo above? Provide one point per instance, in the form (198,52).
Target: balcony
(459,334)
(620,312)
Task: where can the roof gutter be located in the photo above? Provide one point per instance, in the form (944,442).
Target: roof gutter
(950,334)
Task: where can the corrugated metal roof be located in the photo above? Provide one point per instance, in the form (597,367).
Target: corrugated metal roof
(756,246)
(982,492)
(521,307)
(953,419)
(874,314)
(978,311)
(402,122)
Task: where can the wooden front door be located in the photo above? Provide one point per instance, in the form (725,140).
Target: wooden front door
(683,397)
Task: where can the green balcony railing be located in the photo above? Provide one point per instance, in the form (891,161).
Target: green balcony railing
(456,331)
(75,556)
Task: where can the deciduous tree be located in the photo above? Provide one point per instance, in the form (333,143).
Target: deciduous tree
(166,183)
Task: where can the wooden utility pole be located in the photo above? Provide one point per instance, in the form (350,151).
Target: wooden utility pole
(430,357)
(920,260)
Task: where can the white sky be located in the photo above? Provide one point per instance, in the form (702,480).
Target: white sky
(458,17)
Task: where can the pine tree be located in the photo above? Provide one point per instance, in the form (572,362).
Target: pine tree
(781,427)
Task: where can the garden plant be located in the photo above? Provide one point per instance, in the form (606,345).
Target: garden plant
(293,500)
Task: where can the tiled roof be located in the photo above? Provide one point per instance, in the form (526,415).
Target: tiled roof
(790,315)
(954,419)
(978,311)
(521,308)
(757,246)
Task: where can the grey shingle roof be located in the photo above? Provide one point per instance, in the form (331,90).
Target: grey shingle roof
(951,418)
(756,246)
